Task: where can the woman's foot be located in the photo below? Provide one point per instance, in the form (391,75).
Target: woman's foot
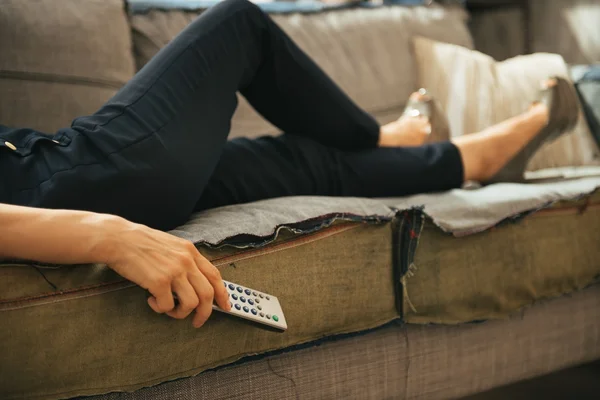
(501,152)
(421,122)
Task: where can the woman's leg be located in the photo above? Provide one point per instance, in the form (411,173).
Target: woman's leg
(291,165)
(486,152)
(149,151)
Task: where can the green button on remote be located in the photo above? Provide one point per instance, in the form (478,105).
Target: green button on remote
(275,318)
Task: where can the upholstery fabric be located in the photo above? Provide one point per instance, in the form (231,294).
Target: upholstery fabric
(348,277)
(341,42)
(60,62)
(410,362)
(477,92)
(93,332)
(459,211)
(566,27)
(499,31)
(452,280)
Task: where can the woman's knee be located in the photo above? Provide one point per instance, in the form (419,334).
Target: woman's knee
(229,7)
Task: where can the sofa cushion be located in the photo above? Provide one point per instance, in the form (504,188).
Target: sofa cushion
(367,51)
(477,92)
(336,265)
(60,62)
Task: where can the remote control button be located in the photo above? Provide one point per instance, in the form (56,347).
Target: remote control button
(259,307)
(230,286)
(275,318)
(262,314)
(268,298)
(254,294)
(239,289)
(246,309)
(238,307)
(253,311)
(242,299)
(248,292)
(261,296)
(257,301)
(251,302)
(234,296)
(268,316)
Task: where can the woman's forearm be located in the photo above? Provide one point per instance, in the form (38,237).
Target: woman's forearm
(155,260)
(54,236)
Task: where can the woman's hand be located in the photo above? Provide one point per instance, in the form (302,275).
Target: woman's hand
(157,261)
(165,265)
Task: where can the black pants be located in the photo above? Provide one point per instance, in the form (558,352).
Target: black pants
(158,150)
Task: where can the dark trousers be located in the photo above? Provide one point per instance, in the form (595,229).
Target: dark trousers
(158,150)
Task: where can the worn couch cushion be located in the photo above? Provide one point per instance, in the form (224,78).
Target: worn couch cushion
(477,92)
(367,51)
(60,61)
(331,276)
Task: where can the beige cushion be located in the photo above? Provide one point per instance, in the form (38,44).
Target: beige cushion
(477,92)
(60,61)
(366,51)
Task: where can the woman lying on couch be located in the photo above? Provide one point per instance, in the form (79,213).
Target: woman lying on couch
(158,151)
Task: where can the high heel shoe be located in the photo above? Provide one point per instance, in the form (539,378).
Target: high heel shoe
(426,105)
(563,113)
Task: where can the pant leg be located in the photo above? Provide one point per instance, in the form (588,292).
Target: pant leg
(149,151)
(289,165)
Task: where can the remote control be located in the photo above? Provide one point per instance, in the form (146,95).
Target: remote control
(254,306)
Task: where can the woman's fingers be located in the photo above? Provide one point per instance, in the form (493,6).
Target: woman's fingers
(214,277)
(168,266)
(186,296)
(162,301)
(205,293)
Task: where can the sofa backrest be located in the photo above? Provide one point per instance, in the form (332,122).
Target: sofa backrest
(60,62)
(367,51)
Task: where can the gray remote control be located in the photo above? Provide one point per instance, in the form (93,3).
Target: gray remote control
(254,306)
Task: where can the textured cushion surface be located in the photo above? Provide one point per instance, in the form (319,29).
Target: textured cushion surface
(366,51)
(60,62)
(476,92)
(457,211)
(97,321)
(431,362)
(107,338)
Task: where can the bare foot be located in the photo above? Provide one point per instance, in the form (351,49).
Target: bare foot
(406,131)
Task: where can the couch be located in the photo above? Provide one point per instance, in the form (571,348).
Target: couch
(426,297)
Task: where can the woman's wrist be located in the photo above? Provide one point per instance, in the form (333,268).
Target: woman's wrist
(104,241)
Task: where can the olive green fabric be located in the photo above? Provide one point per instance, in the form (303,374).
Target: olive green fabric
(489,275)
(416,362)
(61,60)
(96,333)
